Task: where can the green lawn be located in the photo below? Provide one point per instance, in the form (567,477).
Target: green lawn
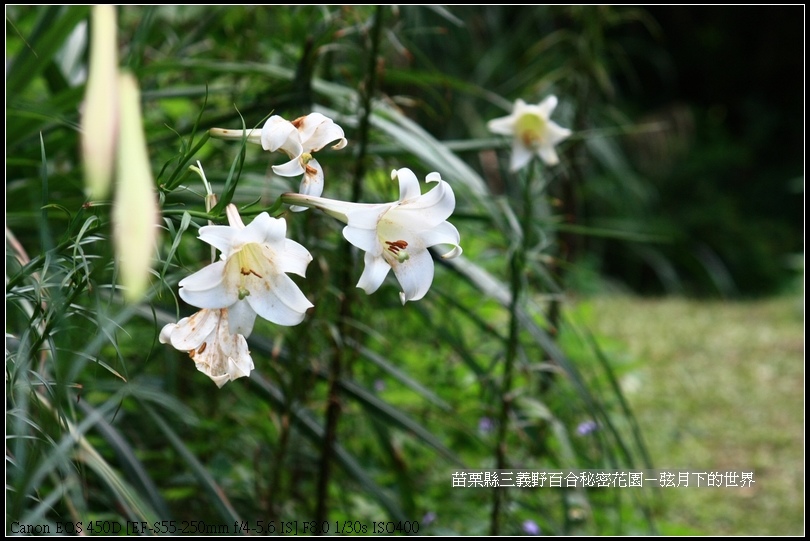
(716,386)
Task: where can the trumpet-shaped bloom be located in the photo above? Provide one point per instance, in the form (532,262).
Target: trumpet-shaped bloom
(397,235)
(311,134)
(251,276)
(219,354)
(298,139)
(532,131)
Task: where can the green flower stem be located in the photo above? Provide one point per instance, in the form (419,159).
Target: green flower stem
(274,211)
(517,265)
(342,356)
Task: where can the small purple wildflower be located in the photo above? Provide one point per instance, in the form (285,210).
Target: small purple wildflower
(530,527)
(485,425)
(587,427)
(428,519)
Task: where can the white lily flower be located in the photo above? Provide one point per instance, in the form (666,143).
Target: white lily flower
(532,131)
(397,235)
(298,139)
(314,132)
(217,353)
(251,277)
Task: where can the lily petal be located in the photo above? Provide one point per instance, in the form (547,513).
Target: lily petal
(241,318)
(220,237)
(219,380)
(555,133)
(316,131)
(280,134)
(296,258)
(547,106)
(292,168)
(502,126)
(415,275)
(521,156)
(311,182)
(281,302)
(206,288)
(374,272)
(190,332)
(444,233)
(408,184)
(427,211)
(548,155)
(266,230)
(225,356)
(365,239)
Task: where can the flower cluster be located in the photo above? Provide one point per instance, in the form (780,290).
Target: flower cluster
(249,280)
(251,277)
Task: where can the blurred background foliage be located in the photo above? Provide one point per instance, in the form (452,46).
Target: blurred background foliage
(685,174)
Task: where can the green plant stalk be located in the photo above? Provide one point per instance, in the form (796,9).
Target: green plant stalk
(569,244)
(517,265)
(342,355)
(273,492)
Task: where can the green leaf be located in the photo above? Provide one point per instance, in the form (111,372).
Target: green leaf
(314,431)
(401,376)
(54,25)
(389,413)
(215,493)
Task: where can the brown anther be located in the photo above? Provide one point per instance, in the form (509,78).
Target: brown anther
(246,271)
(192,353)
(396,246)
(310,170)
(202,348)
(298,121)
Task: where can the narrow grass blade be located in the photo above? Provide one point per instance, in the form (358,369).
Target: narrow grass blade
(305,422)
(215,493)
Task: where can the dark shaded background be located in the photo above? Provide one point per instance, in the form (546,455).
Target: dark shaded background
(719,185)
(734,77)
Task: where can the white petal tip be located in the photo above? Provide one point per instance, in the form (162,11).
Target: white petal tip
(433,177)
(455,252)
(291,168)
(220,380)
(166,333)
